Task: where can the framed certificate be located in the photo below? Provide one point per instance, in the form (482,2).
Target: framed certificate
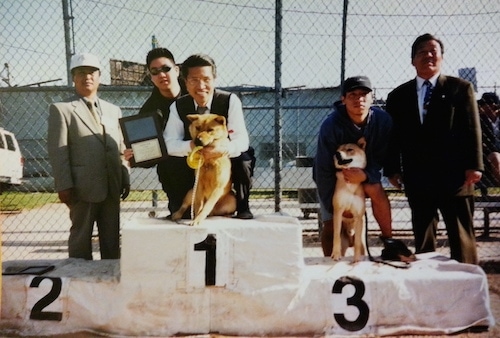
(144,135)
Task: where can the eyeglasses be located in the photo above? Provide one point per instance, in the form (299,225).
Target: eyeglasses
(193,81)
(162,69)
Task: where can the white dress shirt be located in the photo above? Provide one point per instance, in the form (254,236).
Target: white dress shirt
(238,135)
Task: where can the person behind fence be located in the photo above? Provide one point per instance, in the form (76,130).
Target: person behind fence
(85,151)
(489,114)
(199,71)
(435,150)
(167,88)
(352,119)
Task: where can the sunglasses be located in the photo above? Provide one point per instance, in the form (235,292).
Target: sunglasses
(162,69)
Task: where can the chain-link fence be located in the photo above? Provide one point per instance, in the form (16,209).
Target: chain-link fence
(285,61)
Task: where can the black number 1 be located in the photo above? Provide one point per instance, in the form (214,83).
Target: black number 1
(209,244)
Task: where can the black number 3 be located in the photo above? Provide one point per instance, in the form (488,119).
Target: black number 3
(37,311)
(356,300)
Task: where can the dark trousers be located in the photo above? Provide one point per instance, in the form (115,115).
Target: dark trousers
(177,178)
(457,212)
(241,174)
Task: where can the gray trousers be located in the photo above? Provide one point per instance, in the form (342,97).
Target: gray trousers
(106,215)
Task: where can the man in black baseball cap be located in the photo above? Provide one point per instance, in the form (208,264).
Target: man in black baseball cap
(356,82)
(353,120)
(490,98)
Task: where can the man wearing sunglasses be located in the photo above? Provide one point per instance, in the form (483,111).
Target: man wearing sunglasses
(165,77)
(167,88)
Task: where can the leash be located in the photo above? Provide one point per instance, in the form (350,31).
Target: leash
(394,264)
(195,186)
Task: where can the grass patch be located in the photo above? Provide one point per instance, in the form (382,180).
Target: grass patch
(16,201)
(145,195)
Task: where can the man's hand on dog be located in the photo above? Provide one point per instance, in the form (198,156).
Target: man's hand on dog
(213,152)
(472,176)
(397,181)
(354,175)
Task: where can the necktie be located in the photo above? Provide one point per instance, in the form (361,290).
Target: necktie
(202,110)
(428,94)
(93,112)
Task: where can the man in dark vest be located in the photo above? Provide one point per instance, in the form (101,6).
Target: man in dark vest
(199,72)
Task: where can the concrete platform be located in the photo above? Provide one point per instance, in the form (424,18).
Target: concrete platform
(262,286)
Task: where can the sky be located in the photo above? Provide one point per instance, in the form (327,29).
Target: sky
(240,36)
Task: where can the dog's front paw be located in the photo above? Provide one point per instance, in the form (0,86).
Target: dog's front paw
(196,221)
(176,216)
(193,223)
(336,256)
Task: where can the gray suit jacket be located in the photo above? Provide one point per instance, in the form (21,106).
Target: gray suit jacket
(82,156)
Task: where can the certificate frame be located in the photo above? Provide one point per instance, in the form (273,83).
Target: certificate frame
(144,135)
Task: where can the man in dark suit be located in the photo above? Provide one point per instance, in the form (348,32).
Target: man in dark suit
(489,114)
(435,151)
(85,145)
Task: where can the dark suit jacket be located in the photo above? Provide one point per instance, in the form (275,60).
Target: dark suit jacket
(81,156)
(489,137)
(489,146)
(433,156)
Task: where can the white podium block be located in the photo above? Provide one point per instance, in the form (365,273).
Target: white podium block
(242,255)
(241,278)
(341,299)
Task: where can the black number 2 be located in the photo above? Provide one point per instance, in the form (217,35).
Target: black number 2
(209,244)
(37,311)
(356,300)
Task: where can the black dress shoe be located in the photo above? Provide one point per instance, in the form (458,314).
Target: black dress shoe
(396,250)
(244,214)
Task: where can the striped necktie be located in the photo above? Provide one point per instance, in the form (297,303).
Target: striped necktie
(428,94)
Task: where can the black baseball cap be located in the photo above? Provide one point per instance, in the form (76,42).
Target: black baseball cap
(356,82)
(490,98)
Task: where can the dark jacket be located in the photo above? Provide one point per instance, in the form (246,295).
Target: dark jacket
(159,104)
(338,129)
(490,145)
(433,156)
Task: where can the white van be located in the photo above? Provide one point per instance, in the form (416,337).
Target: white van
(11,160)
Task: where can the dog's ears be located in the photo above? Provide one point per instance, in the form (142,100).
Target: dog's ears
(192,117)
(362,143)
(220,119)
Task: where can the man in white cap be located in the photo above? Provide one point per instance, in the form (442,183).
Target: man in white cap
(85,147)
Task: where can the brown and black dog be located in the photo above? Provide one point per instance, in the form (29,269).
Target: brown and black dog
(212,191)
